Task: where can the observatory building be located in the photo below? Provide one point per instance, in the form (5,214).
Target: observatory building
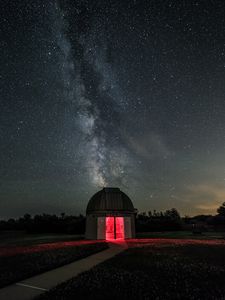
(110,215)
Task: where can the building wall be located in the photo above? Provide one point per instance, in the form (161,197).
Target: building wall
(91,227)
(96,225)
(101,232)
(127,228)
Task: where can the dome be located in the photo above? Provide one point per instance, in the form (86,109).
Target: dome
(110,199)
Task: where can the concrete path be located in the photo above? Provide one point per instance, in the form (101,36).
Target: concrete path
(34,286)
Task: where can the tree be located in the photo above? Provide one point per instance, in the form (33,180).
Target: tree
(62,215)
(27,217)
(174,221)
(172,214)
(221,209)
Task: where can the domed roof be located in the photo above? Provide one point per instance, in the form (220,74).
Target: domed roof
(110,199)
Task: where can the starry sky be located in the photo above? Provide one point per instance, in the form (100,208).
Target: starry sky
(127,94)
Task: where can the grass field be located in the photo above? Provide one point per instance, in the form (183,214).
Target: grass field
(182,235)
(20,238)
(18,263)
(162,269)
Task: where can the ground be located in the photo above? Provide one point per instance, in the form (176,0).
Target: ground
(153,269)
(178,265)
(182,235)
(23,256)
(20,238)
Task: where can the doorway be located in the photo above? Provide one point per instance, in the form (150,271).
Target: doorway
(114,228)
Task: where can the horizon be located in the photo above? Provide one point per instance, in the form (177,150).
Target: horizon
(83,213)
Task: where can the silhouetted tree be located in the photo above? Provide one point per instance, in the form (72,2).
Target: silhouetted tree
(159,221)
(172,214)
(46,224)
(221,209)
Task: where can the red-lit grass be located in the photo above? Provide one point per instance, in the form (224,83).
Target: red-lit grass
(14,250)
(156,269)
(175,242)
(24,262)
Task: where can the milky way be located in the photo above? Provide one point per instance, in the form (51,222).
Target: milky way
(94,95)
(112,93)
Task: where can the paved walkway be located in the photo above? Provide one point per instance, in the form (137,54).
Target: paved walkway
(34,286)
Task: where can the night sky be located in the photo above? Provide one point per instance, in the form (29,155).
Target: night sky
(128,94)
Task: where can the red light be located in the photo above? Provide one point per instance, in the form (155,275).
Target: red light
(114,228)
(109,234)
(14,250)
(119,228)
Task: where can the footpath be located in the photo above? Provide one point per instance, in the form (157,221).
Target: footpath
(36,285)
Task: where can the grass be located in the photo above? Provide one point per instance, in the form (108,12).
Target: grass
(157,271)
(21,238)
(20,266)
(182,235)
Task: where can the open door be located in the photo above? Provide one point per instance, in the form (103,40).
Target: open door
(114,228)
(119,228)
(109,234)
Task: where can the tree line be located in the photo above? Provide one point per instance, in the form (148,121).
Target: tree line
(171,220)
(46,223)
(145,221)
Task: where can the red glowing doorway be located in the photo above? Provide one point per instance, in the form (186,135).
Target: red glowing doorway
(114,228)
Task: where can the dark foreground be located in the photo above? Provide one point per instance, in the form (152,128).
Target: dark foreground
(18,263)
(157,269)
